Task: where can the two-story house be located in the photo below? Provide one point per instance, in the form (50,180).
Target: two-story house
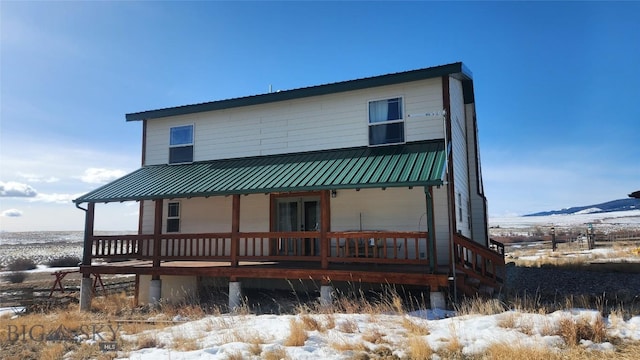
(372,180)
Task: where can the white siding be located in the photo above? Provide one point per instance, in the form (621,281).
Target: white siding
(399,209)
(441,223)
(460,156)
(316,123)
(393,209)
(476,191)
(147,218)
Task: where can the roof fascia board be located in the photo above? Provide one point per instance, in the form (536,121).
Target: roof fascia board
(455,69)
(259,191)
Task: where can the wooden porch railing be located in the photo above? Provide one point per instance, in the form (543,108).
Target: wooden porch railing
(348,246)
(479,262)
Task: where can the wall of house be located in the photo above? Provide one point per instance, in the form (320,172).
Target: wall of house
(460,157)
(316,123)
(213,215)
(476,193)
(441,224)
(400,209)
(393,209)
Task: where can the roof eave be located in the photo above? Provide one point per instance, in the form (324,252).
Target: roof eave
(85,199)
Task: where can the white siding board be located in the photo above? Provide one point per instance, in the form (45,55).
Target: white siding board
(460,156)
(478,201)
(441,224)
(394,209)
(317,123)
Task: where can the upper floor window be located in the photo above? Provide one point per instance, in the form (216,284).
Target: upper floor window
(386,122)
(181,144)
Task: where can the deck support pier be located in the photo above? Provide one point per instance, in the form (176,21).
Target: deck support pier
(326,295)
(86,289)
(437,300)
(235,295)
(155,291)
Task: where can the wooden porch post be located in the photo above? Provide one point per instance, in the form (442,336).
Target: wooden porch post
(325,227)
(157,231)
(235,230)
(431,246)
(88,234)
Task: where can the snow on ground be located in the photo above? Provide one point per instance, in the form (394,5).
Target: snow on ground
(629,218)
(223,336)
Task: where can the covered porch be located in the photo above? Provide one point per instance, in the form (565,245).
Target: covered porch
(291,216)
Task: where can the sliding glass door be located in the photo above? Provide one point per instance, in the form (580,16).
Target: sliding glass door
(295,214)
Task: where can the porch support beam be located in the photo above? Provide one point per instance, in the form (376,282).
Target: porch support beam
(235,230)
(86,285)
(88,234)
(325,227)
(431,246)
(157,231)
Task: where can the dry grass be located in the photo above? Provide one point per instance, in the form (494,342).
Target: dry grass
(453,348)
(573,330)
(113,305)
(419,348)
(297,335)
(53,351)
(375,336)
(182,342)
(508,320)
(348,326)
(148,341)
(311,324)
(275,354)
(478,306)
(329,321)
(510,351)
(343,345)
(415,326)
(235,355)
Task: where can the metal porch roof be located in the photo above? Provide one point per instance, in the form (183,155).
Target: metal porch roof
(412,164)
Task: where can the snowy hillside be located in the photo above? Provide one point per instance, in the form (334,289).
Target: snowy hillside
(629,219)
(609,206)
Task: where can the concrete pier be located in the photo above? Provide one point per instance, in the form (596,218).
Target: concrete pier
(86,292)
(235,295)
(326,295)
(155,291)
(437,300)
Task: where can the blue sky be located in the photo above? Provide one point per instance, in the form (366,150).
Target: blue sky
(557,87)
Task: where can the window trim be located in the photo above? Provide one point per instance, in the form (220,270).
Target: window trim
(169,217)
(402,120)
(185,145)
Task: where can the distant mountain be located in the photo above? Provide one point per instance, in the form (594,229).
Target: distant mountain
(610,206)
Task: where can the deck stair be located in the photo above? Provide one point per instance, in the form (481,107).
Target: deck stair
(480,270)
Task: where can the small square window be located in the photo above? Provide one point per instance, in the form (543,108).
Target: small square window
(181,135)
(386,122)
(181,144)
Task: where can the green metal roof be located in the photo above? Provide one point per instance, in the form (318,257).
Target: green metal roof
(455,69)
(413,164)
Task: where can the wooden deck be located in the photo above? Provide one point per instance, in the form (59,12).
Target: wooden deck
(406,258)
(354,272)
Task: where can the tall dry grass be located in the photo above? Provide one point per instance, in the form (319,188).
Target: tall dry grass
(297,334)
